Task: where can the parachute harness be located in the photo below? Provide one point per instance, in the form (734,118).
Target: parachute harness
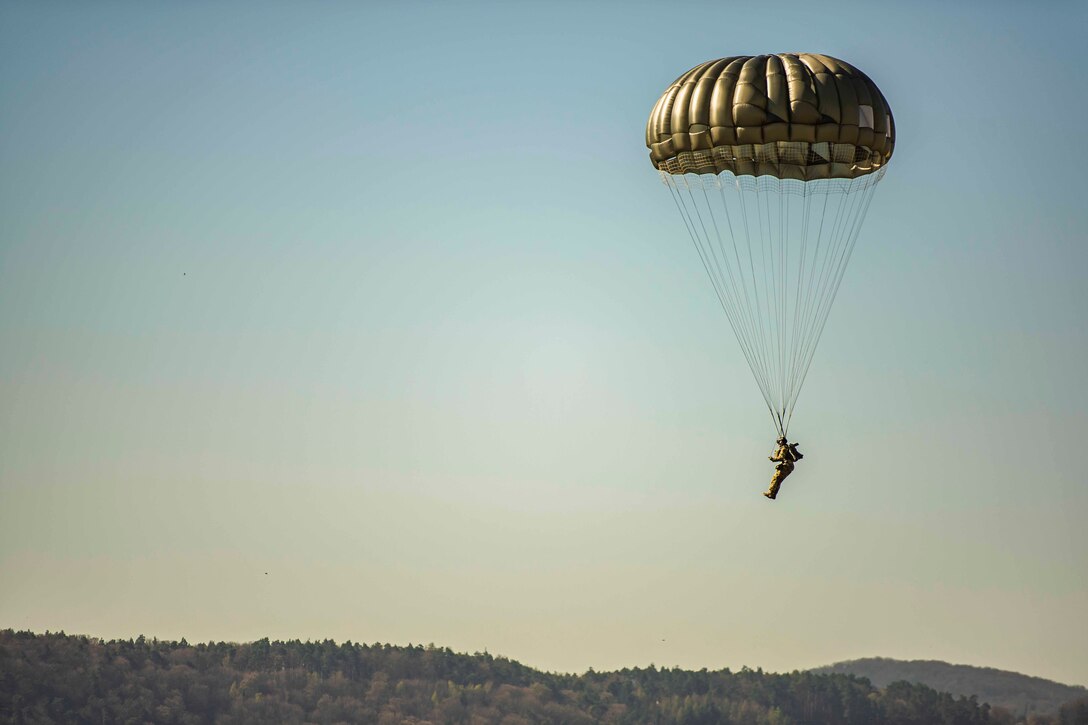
(776,266)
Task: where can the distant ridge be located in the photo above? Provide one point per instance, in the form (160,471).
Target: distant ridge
(1020,694)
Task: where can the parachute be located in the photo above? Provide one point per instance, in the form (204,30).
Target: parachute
(772,161)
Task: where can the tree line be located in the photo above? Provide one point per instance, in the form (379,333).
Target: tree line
(59,678)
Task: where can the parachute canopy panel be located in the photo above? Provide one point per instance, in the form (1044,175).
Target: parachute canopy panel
(791,115)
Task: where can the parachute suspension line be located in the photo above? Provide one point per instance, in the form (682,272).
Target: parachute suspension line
(795,337)
(760,325)
(766,233)
(767,332)
(757,370)
(719,259)
(816,297)
(689,225)
(779,282)
(805,290)
(752,340)
(720,290)
(783,321)
(709,253)
(744,329)
(769,290)
(775,244)
(751,324)
(756,356)
(784,237)
(853,235)
(864,201)
(831,269)
(758,353)
(823,253)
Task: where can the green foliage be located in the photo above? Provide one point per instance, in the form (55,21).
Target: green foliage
(1012,691)
(56,678)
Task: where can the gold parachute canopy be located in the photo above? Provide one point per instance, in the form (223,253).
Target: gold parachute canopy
(798,116)
(772,162)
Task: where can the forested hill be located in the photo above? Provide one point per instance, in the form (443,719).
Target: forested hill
(58,678)
(1018,693)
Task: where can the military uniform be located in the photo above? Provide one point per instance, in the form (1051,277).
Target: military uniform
(784,455)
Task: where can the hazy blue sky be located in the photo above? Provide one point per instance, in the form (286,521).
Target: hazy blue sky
(387,301)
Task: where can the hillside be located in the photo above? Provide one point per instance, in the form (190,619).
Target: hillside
(59,678)
(1020,694)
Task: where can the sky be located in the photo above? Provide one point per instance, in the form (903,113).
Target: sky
(373,322)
